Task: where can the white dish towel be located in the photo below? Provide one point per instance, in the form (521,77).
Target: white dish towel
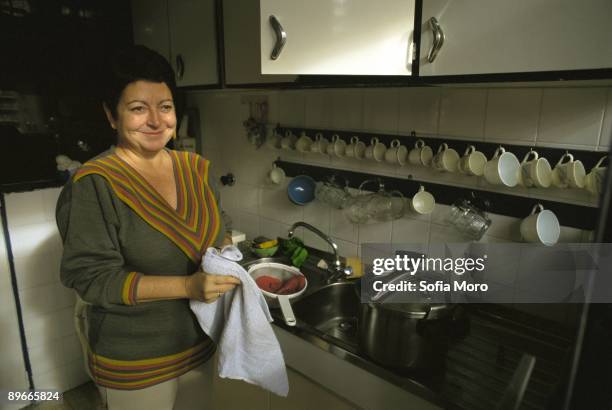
(239,322)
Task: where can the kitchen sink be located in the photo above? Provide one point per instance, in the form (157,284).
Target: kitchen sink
(333,310)
(329,309)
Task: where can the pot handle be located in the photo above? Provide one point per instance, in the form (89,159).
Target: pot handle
(285,306)
(427,311)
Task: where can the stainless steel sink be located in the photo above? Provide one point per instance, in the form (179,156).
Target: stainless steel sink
(332,310)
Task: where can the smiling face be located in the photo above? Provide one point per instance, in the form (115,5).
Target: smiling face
(146,119)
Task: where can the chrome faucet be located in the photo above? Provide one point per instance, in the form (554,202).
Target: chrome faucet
(338,271)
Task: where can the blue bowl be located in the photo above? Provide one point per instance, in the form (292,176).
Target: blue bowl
(301,189)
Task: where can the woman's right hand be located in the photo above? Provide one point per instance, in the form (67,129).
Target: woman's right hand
(207,288)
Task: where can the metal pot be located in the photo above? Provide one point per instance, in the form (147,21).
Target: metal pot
(408,336)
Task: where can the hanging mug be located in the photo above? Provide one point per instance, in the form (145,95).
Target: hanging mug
(446,159)
(593,182)
(422,202)
(472,162)
(568,173)
(502,169)
(541,226)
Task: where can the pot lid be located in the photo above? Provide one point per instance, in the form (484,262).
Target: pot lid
(415,304)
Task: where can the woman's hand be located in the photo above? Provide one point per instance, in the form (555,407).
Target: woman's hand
(207,288)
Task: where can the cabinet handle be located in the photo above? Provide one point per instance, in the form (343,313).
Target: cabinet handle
(180,67)
(438,40)
(281,37)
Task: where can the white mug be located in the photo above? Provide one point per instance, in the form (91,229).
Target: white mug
(330,147)
(276,175)
(275,140)
(446,159)
(304,143)
(593,182)
(541,226)
(320,144)
(288,142)
(402,155)
(356,149)
(502,169)
(391,153)
(535,171)
(337,146)
(472,162)
(422,202)
(376,150)
(421,154)
(570,173)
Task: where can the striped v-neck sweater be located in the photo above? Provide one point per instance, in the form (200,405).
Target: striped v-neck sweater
(116,228)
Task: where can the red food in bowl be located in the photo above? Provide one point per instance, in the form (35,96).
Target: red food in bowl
(292,285)
(268,283)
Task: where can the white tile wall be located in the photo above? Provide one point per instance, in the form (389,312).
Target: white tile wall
(291,108)
(62,378)
(462,113)
(25,209)
(47,306)
(605,139)
(12,372)
(376,232)
(565,117)
(347,109)
(512,115)
(408,230)
(572,116)
(318,109)
(381,110)
(419,110)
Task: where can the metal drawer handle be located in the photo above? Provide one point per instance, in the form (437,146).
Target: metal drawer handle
(438,39)
(180,67)
(281,37)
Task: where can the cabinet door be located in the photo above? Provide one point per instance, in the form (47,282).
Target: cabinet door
(307,395)
(193,41)
(338,37)
(150,25)
(230,394)
(501,36)
(241,44)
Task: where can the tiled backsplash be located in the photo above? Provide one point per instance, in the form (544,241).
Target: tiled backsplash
(47,306)
(578,117)
(12,374)
(572,118)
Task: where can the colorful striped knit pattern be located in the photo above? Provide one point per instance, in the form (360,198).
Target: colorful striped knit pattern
(138,374)
(129,288)
(193,226)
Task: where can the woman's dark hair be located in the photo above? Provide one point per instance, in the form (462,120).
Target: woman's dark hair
(131,64)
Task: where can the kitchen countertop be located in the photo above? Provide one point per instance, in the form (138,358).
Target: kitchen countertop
(477,368)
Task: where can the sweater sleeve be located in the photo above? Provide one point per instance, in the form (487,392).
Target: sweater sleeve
(92,263)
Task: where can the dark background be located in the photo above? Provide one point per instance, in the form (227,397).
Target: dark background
(58,50)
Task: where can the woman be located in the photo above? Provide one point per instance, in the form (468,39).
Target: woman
(135,222)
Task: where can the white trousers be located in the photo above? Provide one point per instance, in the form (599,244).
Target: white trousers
(190,391)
